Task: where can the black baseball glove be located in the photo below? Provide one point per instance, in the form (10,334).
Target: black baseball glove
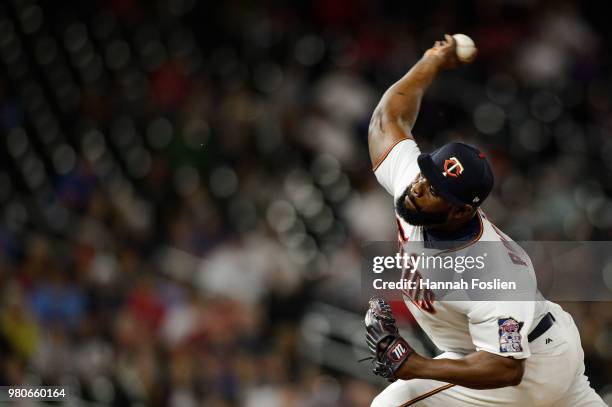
(390,350)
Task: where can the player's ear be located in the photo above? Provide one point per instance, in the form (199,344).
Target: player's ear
(462,212)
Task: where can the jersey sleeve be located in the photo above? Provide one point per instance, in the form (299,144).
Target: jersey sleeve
(502,327)
(399,167)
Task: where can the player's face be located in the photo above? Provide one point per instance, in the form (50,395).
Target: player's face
(419,205)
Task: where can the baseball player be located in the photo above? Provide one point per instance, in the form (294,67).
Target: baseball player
(519,353)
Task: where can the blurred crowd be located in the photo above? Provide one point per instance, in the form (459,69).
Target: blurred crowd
(181,180)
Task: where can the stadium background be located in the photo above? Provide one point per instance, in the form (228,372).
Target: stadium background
(185,185)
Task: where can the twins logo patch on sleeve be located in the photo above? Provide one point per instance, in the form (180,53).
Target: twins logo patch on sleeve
(509,335)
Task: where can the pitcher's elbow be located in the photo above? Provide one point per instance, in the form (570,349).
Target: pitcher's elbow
(516,375)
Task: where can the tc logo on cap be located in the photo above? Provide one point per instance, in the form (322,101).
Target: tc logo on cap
(452,167)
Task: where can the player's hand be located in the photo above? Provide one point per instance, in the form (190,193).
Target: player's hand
(445,51)
(390,350)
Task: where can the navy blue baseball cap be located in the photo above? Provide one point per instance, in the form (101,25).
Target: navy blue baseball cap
(459,173)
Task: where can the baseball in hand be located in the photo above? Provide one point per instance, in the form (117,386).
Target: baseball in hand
(465,47)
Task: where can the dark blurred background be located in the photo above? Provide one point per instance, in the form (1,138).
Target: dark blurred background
(185,185)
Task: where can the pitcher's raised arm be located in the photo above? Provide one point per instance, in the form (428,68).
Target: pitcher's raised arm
(396,113)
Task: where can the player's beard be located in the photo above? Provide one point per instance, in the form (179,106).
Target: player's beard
(416,217)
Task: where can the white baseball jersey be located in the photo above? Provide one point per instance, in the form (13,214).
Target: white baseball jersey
(462,327)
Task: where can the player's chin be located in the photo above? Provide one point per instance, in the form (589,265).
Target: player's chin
(419,218)
(419,221)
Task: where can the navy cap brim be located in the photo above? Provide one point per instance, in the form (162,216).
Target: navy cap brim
(436,179)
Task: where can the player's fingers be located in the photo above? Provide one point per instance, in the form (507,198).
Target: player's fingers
(449,39)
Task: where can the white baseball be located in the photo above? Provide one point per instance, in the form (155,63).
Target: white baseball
(465,47)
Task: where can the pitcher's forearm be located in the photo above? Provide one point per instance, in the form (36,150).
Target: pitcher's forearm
(397,111)
(401,102)
(479,370)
